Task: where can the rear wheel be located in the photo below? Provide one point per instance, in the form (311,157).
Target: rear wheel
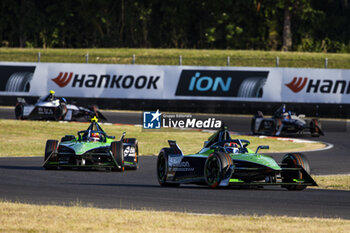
(19,109)
(215,168)
(315,128)
(252,125)
(162,168)
(294,160)
(50,153)
(60,112)
(94,108)
(117,151)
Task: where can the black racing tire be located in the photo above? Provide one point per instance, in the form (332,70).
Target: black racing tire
(19,82)
(118,154)
(271,131)
(19,109)
(95,109)
(215,168)
(60,112)
(162,168)
(51,147)
(252,126)
(315,128)
(251,87)
(294,160)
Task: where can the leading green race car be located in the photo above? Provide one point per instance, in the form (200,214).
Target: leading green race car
(92,148)
(224,161)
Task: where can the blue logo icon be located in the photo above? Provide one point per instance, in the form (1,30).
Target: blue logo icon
(152,120)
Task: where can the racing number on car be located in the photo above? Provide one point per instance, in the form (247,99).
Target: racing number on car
(267,124)
(129,151)
(45,111)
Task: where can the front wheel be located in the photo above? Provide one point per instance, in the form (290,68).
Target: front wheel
(294,160)
(215,168)
(117,151)
(51,149)
(316,128)
(19,109)
(162,168)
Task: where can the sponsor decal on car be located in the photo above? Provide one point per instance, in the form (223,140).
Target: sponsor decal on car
(45,111)
(176,164)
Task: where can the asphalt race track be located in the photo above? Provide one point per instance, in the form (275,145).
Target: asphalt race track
(23,180)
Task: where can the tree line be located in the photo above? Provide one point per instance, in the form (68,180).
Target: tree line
(289,25)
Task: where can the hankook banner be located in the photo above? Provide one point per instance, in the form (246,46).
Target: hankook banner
(253,84)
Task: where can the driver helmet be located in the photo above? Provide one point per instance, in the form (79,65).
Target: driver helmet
(231,147)
(52,93)
(95,137)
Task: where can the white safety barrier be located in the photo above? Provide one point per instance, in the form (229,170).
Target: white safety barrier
(254,84)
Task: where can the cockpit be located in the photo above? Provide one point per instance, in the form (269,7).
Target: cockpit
(94,133)
(222,141)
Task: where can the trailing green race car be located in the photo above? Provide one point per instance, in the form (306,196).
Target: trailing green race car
(92,148)
(228,162)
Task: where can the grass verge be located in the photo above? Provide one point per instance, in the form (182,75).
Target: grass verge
(335,182)
(50,218)
(28,138)
(171,57)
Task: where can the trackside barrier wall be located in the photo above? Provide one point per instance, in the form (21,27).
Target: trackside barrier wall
(194,85)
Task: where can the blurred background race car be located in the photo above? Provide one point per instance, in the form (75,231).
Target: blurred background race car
(285,122)
(51,108)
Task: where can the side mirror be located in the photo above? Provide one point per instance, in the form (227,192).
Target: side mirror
(261,147)
(215,147)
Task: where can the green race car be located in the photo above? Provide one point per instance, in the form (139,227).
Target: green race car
(224,161)
(92,148)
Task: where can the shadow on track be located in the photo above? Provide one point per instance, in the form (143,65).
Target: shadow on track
(20,167)
(184,187)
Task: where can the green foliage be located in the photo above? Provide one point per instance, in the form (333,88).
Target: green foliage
(316,25)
